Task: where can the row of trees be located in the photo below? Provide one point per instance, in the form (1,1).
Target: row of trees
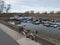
(3,7)
(51,12)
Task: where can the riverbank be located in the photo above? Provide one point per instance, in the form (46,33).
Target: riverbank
(17,36)
(41,39)
(48,16)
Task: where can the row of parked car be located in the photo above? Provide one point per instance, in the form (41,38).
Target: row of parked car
(49,23)
(46,22)
(30,19)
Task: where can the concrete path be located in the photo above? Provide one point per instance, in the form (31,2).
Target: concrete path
(5,39)
(14,34)
(26,41)
(17,36)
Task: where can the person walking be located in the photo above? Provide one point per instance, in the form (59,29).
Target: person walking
(20,29)
(36,31)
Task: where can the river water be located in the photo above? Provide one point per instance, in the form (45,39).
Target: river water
(48,31)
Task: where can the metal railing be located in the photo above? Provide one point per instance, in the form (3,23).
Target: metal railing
(9,25)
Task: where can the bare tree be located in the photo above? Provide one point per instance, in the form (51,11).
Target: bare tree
(8,8)
(1,6)
(52,12)
(32,12)
(44,12)
(58,12)
(27,13)
(38,13)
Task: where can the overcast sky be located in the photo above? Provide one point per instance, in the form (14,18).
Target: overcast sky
(36,5)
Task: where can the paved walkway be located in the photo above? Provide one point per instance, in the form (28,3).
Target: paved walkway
(18,37)
(26,41)
(5,39)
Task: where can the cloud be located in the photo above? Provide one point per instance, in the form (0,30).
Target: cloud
(34,2)
(44,2)
(24,8)
(13,2)
(36,5)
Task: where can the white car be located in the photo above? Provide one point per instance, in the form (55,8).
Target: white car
(55,26)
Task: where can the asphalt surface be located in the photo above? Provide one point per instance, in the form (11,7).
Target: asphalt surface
(5,39)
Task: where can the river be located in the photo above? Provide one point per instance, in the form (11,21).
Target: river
(48,31)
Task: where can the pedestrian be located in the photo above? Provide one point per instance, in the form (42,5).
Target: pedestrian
(36,31)
(20,29)
(32,36)
(24,33)
(35,38)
